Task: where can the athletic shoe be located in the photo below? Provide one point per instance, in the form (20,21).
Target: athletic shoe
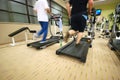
(36,36)
(43,41)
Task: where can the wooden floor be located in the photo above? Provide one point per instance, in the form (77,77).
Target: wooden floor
(24,63)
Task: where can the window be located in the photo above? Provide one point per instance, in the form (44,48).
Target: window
(33,19)
(4,16)
(16,7)
(57,9)
(4,4)
(22,11)
(31,2)
(31,12)
(22,1)
(19,18)
(55,6)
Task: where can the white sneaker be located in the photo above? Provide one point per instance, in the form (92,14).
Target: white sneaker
(43,41)
(36,36)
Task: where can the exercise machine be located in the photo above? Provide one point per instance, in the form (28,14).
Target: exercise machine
(80,51)
(104,31)
(114,41)
(54,37)
(13,34)
(92,21)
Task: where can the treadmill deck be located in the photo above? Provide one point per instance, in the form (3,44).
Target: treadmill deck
(80,51)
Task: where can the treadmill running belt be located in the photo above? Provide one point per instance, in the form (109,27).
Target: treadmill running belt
(79,51)
(42,44)
(48,42)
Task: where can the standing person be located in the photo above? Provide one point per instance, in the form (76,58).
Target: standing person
(42,9)
(77,12)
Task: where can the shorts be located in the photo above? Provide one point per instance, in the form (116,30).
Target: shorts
(78,22)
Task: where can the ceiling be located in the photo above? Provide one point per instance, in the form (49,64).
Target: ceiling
(103,4)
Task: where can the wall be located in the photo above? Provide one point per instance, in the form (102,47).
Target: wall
(7,28)
(106,10)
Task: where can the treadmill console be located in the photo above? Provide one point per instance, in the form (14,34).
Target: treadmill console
(96,12)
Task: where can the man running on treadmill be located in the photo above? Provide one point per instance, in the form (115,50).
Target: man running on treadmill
(77,12)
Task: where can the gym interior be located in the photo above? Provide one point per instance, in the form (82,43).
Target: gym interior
(18,61)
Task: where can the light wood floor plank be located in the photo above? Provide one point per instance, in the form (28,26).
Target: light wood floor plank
(24,63)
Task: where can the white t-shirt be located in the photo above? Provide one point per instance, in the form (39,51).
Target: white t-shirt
(40,6)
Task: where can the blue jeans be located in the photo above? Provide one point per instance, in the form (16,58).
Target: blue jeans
(44,30)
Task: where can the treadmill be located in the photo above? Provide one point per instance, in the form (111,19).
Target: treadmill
(80,51)
(54,38)
(48,42)
(114,41)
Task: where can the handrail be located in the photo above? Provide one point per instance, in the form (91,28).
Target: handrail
(20,30)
